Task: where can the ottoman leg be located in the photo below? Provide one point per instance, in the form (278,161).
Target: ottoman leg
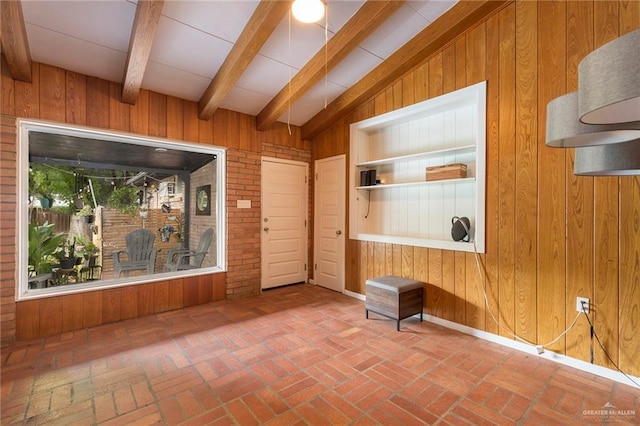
(366,314)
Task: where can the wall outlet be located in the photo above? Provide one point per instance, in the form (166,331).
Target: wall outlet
(579,302)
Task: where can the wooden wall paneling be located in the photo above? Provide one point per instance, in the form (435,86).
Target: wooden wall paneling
(407,261)
(449,69)
(461,62)
(129,302)
(219,290)
(629,16)
(97,102)
(205,284)
(7,89)
(421,269)
(176,293)
(111,305)
(408,94)
(490,280)
(175,118)
(76,98)
(190,295)
(145,299)
(527,170)
(371,260)
(606,222)
(157,114)
(92,308)
(191,126)
(72,312)
(506,171)
(579,191)
(359,285)
(28,319)
(551,295)
(119,114)
(629,268)
(434,289)
(27,95)
(448,295)
(139,118)
(421,82)
(161,296)
(476,57)
(460,286)
(50,315)
(435,76)
(52,93)
(397,94)
(205,132)
(379,260)
(396,262)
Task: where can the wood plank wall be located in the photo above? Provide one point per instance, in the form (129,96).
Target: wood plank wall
(68,97)
(551,236)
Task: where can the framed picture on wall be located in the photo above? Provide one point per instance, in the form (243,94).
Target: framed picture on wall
(203,200)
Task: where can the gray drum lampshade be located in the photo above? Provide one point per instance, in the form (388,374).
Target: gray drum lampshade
(609,82)
(564,130)
(621,159)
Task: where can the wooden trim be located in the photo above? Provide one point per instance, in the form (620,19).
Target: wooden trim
(15,45)
(145,24)
(263,22)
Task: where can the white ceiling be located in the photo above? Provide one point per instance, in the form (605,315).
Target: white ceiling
(194,37)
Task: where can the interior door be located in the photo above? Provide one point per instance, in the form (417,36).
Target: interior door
(329,223)
(284,222)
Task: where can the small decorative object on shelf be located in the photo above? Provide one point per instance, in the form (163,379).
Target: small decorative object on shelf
(448,171)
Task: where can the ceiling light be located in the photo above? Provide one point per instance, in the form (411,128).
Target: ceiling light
(620,159)
(609,82)
(564,130)
(308,11)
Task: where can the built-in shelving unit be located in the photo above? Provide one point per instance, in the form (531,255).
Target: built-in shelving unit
(404,207)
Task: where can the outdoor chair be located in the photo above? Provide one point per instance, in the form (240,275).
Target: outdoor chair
(182,259)
(140,254)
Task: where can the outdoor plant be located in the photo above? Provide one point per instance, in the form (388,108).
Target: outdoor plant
(43,245)
(124,199)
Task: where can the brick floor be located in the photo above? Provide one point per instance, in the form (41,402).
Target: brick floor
(293,355)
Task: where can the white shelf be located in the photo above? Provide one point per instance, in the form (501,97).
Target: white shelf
(418,155)
(400,145)
(425,182)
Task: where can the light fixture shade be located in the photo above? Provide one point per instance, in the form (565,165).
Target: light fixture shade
(308,11)
(564,130)
(609,82)
(621,159)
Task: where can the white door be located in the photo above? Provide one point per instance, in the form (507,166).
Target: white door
(284,222)
(329,223)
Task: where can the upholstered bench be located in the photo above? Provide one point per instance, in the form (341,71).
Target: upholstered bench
(394,297)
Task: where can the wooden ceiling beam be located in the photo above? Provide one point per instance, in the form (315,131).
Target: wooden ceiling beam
(454,22)
(145,24)
(360,26)
(262,23)
(15,45)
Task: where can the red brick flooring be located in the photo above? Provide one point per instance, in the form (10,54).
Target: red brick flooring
(293,355)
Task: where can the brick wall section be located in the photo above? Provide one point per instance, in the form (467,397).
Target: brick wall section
(8,241)
(244,225)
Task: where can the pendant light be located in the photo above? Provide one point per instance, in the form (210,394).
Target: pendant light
(609,81)
(620,159)
(308,11)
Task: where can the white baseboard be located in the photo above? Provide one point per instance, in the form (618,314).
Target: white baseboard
(552,356)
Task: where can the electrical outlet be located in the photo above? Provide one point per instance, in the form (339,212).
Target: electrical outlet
(579,302)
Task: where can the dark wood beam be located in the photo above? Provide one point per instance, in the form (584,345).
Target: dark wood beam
(263,22)
(454,22)
(144,29)
(15,45)
(360,26)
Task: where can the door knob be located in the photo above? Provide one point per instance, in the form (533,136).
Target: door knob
(338,232)
(266,229)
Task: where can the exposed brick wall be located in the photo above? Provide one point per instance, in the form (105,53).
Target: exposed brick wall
(8,241)
(244,225)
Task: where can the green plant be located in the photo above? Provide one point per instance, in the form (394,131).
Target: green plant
(43,246)
(86,210)
(87,248)
(124,199)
